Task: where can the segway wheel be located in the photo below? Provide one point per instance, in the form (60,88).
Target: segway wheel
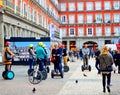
(44,74)
(10,74)
(4,74)
(29,71)
(35,77)
(66,68)
(48,69)
(52,74)
(82,68)
(89,68)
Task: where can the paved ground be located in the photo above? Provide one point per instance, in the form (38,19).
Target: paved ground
(90,85)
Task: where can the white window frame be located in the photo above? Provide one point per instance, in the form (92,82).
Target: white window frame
(97,5)
(88,34)
(116,31)
(80,18)
(98,18)
(71,6)
(70,32)
(63,20)
(71,19)
(107,18)
(107,5)
(80,32)
(107,31)
(98,31)
(89,18)
(63,6)
(118,5)
(89,6)
(63,32)
(80,6)
(116,18)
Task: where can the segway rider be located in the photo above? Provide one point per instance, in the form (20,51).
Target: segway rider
(40,55)
(56,54)
(85,52)
(64,55)
(6,61)
(31,56)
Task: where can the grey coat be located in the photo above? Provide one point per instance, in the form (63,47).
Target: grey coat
(105,60)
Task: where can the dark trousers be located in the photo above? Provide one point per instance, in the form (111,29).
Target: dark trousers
(118,68)
(104,76)
(31,63)
(97,65)
(7,67)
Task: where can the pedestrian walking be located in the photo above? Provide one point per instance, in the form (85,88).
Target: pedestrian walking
(106,60)
(97,63)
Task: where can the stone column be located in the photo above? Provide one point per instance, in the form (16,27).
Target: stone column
(1,37)
(68,45)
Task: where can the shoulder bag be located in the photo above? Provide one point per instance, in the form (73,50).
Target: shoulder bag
(7,54)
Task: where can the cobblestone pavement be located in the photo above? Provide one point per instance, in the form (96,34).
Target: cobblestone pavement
(87,85)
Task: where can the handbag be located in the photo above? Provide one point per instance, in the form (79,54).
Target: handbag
(52,59)
(8,56)
(109,68)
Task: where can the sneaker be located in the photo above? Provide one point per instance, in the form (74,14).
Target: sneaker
(108,88)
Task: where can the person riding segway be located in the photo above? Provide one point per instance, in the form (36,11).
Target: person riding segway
(7,59)
(31,58)
(85,52)
(57,62)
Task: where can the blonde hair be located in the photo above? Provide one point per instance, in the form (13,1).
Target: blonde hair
(104,50)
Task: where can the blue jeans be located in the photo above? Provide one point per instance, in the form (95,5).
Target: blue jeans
(31,62)
(97,65)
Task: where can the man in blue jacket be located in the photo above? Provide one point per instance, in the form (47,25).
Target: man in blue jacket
(40,55)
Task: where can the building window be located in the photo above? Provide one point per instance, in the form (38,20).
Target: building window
(63,19)
(116,4)
(80,6)
(89,6)
(80,19)
(71,31)
(71,19)
(98,31)
(81,32)
(63,7)
(107,18)
(89,18)
(71,6)
(107,31)
(97,5)
(62,32)
(116,18)
(107,5)
(98,18)
(116,31)
(89,31)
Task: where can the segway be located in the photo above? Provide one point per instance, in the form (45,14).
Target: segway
(29,71)
(8,75)
(44,74)
(54,73)
(35,76)
(86,66)
(66,68)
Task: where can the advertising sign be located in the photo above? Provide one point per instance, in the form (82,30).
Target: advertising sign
(20,46)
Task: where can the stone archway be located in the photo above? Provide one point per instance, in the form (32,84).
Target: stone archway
(91,44)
